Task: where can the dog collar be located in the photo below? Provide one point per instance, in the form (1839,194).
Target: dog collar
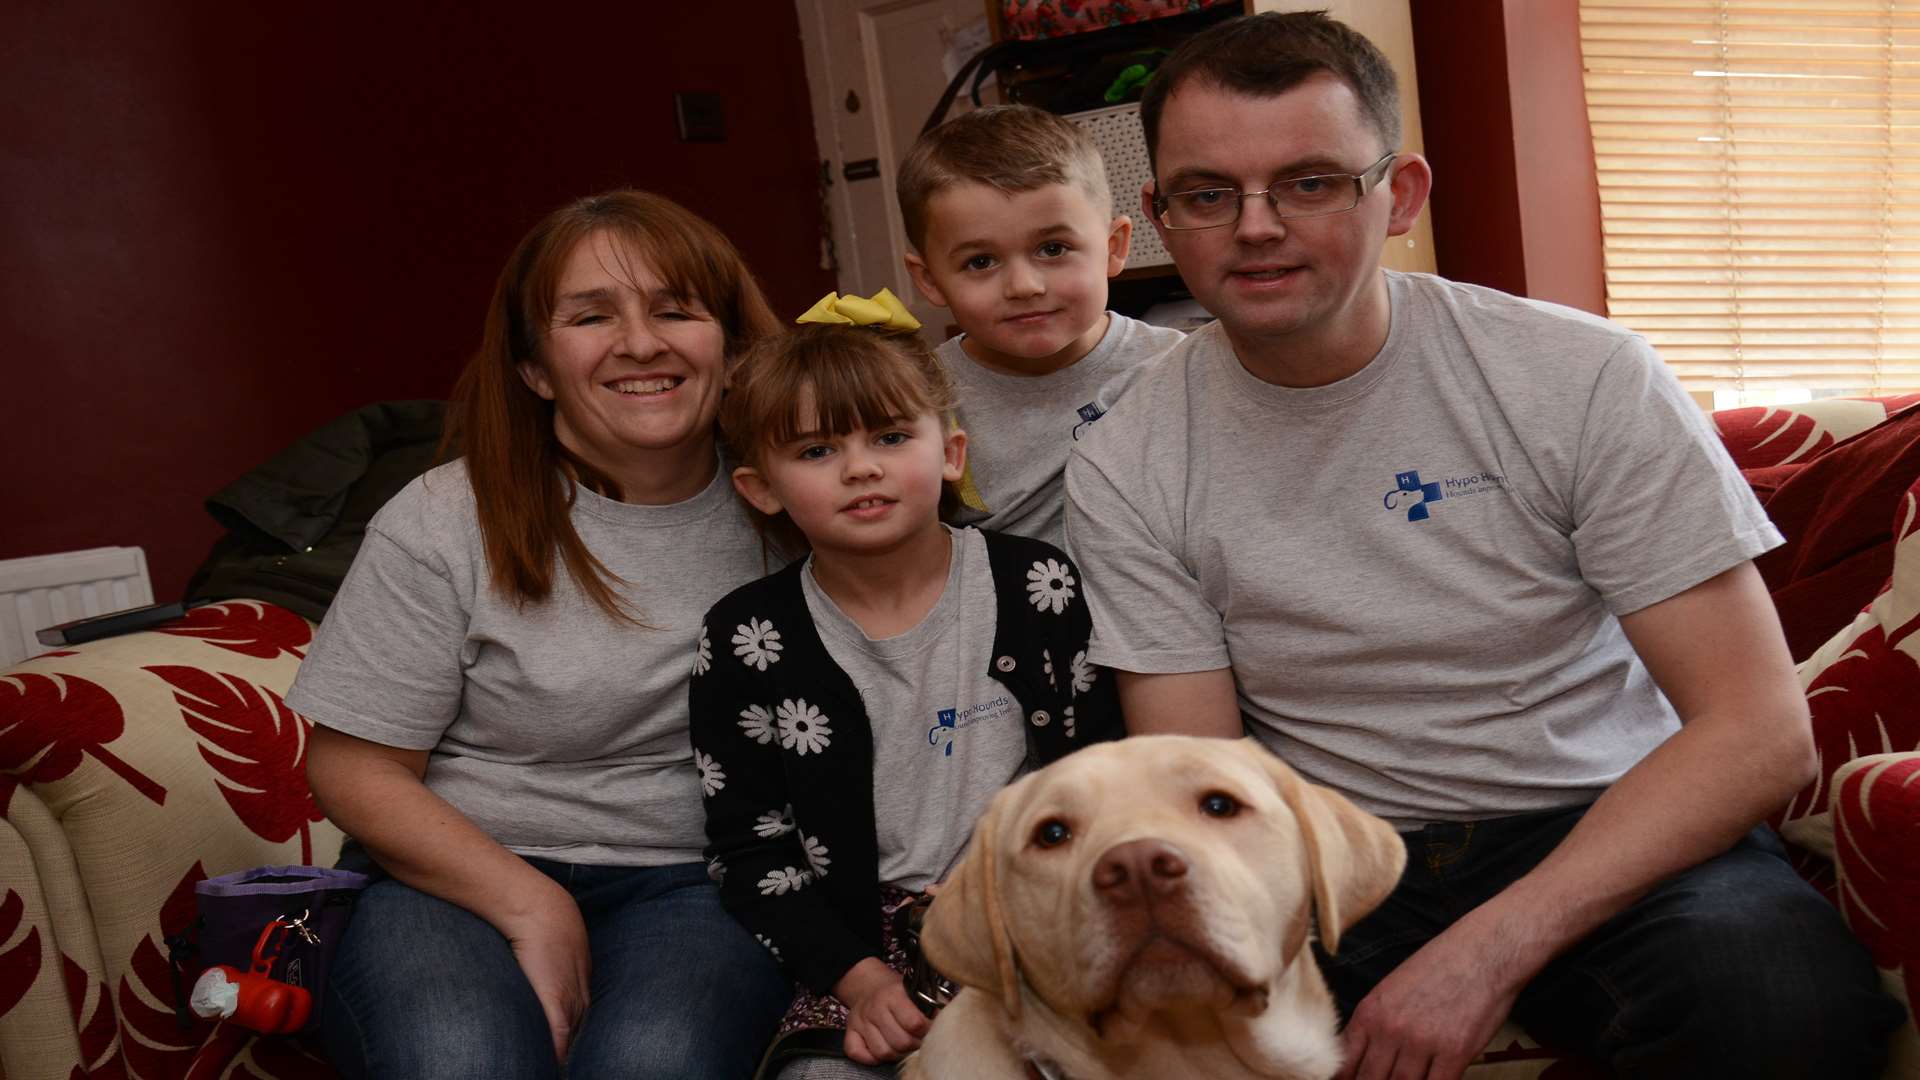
(1039,1068)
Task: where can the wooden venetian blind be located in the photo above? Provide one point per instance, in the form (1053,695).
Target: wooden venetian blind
(1760,186)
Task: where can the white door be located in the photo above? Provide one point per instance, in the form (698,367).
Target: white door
(875,68)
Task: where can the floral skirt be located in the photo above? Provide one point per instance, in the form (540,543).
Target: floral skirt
(817,1011)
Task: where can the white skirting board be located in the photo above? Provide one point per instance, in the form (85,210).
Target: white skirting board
(43,590)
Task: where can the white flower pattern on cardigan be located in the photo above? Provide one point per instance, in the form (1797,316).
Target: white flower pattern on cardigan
(712,776)
(703,655)
(774,823)
(784,880)
(757,644)
(816,851)
(757,722)
(803,729)
(1050,586)
(1082,673)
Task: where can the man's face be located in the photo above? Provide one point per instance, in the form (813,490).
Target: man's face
(1305,284)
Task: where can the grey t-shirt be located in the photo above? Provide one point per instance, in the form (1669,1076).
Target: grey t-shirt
(946,735)
(1021,427)
(559,732)
(1416,572)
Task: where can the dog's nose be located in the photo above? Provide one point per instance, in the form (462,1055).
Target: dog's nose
(1138,870)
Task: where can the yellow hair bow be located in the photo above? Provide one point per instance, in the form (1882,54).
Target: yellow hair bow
(884,310)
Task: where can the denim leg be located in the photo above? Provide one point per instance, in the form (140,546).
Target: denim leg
(680,989)
(1371,948)
(1734,968)
(421,988)
(830,1068)
(1452,868)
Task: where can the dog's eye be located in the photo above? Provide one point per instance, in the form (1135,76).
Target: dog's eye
(1219,804)
(1052,833)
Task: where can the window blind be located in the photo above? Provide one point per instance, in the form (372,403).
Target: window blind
(1759,175)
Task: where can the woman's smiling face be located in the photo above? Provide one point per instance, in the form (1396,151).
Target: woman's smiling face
(630,368)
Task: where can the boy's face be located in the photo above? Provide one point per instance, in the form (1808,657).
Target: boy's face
(1025,274)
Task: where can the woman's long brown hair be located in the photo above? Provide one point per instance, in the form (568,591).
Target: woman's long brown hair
(523,479)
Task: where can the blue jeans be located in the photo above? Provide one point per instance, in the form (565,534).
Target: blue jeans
(1734,968)
(424,988)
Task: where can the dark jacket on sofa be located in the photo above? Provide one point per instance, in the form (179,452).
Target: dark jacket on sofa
(295,523)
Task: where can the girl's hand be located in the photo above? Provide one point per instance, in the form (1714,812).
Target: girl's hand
(882,1022)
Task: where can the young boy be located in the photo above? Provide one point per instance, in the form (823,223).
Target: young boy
(1013,231)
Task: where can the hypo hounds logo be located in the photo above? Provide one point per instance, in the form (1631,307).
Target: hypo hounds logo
(950,722)
(1409,492)
(1089,412)
(941,734)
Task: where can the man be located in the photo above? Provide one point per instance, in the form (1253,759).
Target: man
(1479,564)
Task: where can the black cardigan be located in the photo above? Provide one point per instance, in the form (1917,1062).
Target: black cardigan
(821,920)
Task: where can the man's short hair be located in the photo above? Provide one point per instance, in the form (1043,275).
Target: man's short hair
(1268,54)
(1012,147)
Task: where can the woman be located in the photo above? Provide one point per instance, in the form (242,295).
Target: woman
(499,691)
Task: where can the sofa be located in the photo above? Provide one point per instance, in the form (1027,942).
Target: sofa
(133,767)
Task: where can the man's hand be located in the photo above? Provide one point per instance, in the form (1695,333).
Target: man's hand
(882,1022)
(550,944)
(1434,1014)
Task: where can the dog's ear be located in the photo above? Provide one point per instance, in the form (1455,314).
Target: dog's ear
(1355,857)
(965,936)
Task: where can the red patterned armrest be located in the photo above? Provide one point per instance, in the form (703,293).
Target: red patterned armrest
(1763,436)
(1876,817)
(130,768)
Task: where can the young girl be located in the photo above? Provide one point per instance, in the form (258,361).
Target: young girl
(853,713)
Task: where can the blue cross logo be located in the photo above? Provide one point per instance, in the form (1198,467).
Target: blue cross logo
(1089,412)
(1408,483)
(943,731)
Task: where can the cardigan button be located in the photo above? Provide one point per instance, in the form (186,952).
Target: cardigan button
(1040,718)
(1005,663)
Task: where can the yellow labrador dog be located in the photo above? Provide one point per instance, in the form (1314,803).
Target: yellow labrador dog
(1141,909)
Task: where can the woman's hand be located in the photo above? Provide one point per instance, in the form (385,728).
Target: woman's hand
(882,1022)
(374,792)
(550,943)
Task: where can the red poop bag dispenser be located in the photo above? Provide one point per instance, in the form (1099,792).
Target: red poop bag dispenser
(254,998)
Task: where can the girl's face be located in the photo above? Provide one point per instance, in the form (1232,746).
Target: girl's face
(631,369)
(865,492)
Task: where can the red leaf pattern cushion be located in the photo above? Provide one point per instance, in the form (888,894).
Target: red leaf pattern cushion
(247,627)
(1863,685)
(19,961)
(256,745)
(1759,437)
(141,764)
(94,1019)
(1877,827)
(49,722)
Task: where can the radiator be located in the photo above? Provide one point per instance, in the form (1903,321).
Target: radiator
(40,591)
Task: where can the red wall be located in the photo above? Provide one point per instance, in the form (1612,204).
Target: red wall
(222,225)
(1503,111)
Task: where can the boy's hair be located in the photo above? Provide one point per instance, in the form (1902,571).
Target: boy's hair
(1012,147)
(1268,54)
(851,376)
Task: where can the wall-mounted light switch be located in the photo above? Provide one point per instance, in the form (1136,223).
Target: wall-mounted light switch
(702,116)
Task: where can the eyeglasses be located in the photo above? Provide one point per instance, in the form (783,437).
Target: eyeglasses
(1300,197)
